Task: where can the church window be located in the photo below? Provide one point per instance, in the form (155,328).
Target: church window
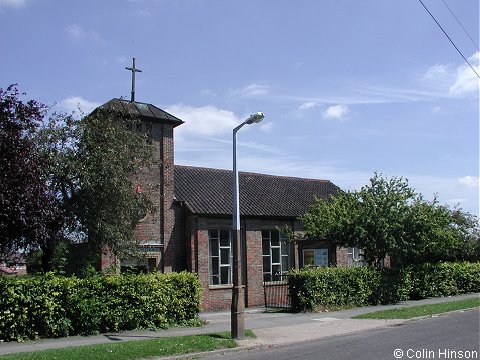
(220,257)
(276,255)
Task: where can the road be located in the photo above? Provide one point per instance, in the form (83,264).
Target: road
(449,336)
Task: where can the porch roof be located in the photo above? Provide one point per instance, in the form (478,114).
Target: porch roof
(209,192)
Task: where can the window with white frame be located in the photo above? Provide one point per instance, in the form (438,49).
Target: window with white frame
(276,255)
(220,257)
(355,257)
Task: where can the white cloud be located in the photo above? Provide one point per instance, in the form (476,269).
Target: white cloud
(469,181)
(78,34)
(436,73)
(205,120)
(251,90)
(450,81)
(77,103)
(336,112)
(267,128)
(308,105)
(466,81)
(208,93)
(12,3)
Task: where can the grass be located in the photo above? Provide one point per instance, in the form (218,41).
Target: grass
(138,349)
(421,310)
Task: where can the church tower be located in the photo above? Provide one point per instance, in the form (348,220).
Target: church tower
(159,243)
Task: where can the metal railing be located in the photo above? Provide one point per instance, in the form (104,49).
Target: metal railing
(275,288)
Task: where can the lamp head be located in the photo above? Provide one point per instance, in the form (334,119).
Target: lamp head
(255,118)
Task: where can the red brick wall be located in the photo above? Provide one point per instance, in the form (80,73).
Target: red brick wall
(342,256)
(174,255)
(220,297)
(107,259)
(165,225)
(149,229)
(254,265)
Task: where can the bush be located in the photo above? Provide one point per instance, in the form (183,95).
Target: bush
(330,287)
(445,279)
(54,306)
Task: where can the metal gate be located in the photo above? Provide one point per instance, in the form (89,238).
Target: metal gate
(275,288)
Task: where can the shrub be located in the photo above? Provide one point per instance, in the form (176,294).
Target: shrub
(445,279)
(330,287)
(54,306)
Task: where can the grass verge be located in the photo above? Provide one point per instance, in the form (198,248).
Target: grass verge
(138,349)
(421,310)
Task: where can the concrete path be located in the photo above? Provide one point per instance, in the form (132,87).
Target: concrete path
(270,328)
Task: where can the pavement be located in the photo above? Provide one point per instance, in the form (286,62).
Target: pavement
(270,328)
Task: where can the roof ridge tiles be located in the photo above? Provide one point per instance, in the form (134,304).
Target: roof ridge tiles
(253,173)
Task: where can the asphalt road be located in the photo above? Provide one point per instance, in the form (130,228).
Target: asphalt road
(449,336)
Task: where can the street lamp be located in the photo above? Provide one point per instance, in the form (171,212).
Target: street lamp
(238,299)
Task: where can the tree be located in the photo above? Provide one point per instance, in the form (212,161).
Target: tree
(387,217)
(29,214)
(468,226)
(93,165)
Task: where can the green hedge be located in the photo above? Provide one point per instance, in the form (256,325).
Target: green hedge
(322,288)
(53,306)
(444,279)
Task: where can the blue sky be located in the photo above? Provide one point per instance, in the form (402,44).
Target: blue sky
(348,87)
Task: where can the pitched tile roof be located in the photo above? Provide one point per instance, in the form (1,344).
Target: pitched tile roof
(144,110)
(209,192)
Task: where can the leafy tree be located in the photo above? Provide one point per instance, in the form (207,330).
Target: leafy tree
(468,226)
(29,214)
(93,165)
(387,217)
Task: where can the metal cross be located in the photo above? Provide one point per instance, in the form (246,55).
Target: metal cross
(133,69)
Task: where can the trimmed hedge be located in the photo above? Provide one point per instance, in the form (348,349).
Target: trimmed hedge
(53,306)
(322,288)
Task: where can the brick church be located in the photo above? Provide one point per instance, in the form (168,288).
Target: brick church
(191,229)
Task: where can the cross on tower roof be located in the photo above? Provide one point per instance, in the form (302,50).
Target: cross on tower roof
(133,69)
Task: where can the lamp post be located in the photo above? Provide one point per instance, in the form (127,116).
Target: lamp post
(238,299)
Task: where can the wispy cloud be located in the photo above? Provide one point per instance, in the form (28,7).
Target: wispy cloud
(121,59)
(208,93)
(251,90)
(337,112)
(143,13)
(469,181)
(440,81)
(450,190)
(12,4)
(78,34)
(453,81)
(76,104)
(267,128)
(307,105)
